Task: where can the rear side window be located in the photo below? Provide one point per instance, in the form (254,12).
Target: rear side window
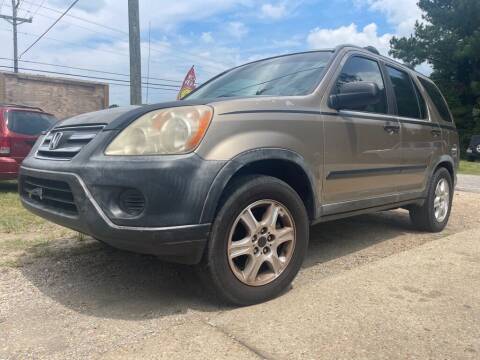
(437,99)
(29,123)
(407,100)
(361,69)
(421,102)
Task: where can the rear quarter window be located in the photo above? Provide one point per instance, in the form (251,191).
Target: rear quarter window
(437,99)
(29,122)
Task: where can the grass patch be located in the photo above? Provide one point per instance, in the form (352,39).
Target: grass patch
(469,168)
(14,219)
(24,234)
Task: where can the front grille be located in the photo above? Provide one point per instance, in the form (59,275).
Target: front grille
(63,143)
(52,194)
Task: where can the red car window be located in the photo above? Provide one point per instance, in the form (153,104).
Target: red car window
(29,122)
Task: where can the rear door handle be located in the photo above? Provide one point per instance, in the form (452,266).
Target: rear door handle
(436,133)
(392,129)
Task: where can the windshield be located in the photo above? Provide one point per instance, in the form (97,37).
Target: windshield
(290,75)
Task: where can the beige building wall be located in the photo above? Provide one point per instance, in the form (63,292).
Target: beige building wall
(59,96)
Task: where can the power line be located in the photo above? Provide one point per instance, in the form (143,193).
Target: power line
(110,81)
(212,65)
(69,43)
(38,8)
(89,70)
(165,87)
(15,20)
(50,27)
(83,19)
(206,63)
(24,8)
(71,23)
(88,47)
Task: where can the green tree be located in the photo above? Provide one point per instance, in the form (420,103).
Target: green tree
(448,38)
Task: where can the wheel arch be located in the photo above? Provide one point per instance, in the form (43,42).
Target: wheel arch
(448,163)
(283,164)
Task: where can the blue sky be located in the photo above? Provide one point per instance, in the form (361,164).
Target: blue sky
(213,35)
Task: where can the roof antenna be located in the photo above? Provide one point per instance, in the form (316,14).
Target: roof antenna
(372,49)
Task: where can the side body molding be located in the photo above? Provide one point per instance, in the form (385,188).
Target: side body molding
(249,157)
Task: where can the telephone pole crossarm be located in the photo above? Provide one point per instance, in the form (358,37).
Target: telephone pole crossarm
(19,20)
(15,21)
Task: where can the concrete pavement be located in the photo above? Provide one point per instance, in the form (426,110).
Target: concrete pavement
(371,287)
(469,183)
(420,304)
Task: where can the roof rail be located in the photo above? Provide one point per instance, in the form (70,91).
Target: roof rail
(22,106)
(372,49)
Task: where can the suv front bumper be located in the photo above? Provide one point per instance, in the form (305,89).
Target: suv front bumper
(70,200)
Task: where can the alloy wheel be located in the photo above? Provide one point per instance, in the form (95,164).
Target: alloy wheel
(261,242)
(441,201)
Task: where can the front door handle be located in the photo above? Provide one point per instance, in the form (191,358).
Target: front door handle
(436,133)
(392,129)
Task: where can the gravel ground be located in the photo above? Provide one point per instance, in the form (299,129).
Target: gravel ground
(82,299)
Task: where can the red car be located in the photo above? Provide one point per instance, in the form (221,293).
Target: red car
(20,127)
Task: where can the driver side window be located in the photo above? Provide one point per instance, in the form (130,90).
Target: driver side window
(362,69)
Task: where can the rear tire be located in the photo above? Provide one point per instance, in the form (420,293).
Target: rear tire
(258,241)
(433,215)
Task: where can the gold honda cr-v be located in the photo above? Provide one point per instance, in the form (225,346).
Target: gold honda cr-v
(231,177)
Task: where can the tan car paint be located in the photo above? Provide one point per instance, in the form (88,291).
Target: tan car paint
(332,141)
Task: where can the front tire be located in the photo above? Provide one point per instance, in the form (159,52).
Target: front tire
(258,241)
(433,215)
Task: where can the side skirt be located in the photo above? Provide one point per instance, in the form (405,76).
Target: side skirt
(391,206)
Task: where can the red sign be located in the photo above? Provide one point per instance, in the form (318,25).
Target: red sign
(188,84)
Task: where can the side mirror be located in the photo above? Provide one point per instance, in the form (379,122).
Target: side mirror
(355,95)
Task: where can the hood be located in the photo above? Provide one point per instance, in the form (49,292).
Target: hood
(119,118)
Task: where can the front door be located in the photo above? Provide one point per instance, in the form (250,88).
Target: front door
(362,146)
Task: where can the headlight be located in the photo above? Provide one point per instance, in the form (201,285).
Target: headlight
(167,131)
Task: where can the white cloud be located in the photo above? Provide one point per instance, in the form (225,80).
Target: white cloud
(401,14)
(207,37)
(274,11)
(329,38)
(90,46)
(237,29)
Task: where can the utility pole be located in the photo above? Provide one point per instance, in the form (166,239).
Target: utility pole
(15,21)
(135,55)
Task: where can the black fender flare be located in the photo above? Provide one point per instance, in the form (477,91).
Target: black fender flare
(227,172)
(445,159)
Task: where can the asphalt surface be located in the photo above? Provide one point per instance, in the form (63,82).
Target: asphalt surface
(371,287)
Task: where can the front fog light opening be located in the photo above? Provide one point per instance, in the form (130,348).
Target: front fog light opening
(132,202)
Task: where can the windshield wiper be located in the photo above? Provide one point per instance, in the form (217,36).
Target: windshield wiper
(262,90)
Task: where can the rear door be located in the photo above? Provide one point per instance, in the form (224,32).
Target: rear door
(24,127)
(362,145)
(421,136)
(442,115)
